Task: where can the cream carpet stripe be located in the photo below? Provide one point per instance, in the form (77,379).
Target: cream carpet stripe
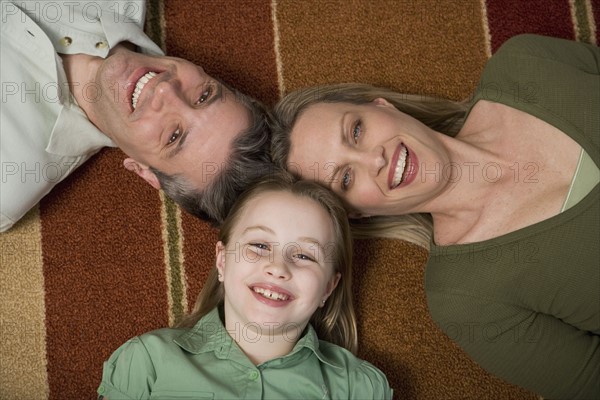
(23,360)
(583,20)
(174,263)
(155,26)
(278,62)
(486,29)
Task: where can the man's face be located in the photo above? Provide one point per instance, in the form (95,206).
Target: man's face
(165,113)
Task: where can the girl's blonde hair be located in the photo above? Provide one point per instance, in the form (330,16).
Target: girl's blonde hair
(442,115)
(336,321)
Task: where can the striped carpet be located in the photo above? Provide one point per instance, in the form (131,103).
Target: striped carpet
(104,257)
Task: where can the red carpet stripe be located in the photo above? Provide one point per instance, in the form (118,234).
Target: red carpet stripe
(508,18)
(112,286)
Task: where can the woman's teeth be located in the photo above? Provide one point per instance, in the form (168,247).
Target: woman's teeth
(400,166)
(139,86)
(270,295)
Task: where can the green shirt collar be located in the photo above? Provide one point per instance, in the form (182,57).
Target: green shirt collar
(210,335)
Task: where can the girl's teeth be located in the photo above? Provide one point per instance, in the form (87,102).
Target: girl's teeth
(139,86)
(400,167)
(270,295)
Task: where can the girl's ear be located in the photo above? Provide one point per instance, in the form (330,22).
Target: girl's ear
(331,285)
(220,259)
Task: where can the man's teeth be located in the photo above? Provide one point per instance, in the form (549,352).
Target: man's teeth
(139,86)
(400,167)
(270,294)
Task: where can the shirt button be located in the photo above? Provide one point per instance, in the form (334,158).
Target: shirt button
(101,45)
(66,41)
(253,375)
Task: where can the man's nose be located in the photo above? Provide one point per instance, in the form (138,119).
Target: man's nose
(165,93)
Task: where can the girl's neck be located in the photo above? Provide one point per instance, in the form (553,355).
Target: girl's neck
(261,347)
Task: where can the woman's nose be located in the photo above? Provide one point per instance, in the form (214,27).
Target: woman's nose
(376,160)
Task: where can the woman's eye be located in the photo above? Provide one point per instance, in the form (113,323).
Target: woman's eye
(356,131)
(204,96)
(174,136)
(346,179)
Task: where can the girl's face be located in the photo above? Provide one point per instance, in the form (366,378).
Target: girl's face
(278,266)
(379,160)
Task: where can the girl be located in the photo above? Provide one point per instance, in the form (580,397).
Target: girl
(283,275)
(510,180)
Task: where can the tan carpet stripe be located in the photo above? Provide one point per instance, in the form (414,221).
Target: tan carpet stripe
(174,266)
(22,313)
(280,79)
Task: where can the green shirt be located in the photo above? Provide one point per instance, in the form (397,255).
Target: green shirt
(526,305)
(205,363)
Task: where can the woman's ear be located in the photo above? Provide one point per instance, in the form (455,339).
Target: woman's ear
(220,259)
(357,215)
(380,101)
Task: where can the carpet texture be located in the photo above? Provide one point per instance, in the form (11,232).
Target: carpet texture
(104,257)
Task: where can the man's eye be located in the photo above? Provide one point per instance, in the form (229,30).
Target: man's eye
(346,179)
(356,131)
(204,96)
(174,136)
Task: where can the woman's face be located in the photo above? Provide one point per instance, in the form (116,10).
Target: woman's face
(378,159)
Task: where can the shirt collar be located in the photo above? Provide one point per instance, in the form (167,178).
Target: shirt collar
(209,334)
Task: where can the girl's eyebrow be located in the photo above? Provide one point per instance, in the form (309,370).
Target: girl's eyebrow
(259,228)
(313,241)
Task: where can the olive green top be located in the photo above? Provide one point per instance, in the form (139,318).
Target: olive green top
(526,305)
(206,363)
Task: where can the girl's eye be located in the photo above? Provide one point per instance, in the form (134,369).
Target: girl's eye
(174,136)
(346,179)
(303,257)
(204,96)
(261,246)
(356,131)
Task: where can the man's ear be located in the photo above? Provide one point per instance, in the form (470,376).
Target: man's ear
(143,171)
(220,259)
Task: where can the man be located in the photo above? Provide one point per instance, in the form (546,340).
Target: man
(72,83)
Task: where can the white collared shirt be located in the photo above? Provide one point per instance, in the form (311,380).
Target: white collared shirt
(44,135)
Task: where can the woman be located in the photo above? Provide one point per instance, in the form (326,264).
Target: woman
(510,179)
(281,279)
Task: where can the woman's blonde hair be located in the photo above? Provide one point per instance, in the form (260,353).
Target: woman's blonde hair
(336,321)
(442,115)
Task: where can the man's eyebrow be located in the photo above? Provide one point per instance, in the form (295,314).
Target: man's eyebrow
(218,95)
